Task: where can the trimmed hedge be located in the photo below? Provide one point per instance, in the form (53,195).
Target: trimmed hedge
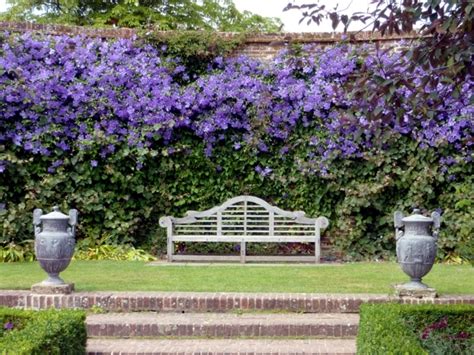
(42,332)
(398,329)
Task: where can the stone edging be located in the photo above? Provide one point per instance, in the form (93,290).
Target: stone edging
(211,302)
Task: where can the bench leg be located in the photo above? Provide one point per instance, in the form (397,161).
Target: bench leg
(243,251)
(317,252)
(170,251)
(169,246)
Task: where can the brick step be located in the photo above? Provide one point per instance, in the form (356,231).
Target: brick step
(221,325)
(220,346)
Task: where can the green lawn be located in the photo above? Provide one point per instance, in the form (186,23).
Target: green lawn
(138,276)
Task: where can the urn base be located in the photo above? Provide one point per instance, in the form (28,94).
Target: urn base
(415,284)
(53,280)
(48,289)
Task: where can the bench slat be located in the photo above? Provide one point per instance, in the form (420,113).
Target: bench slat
(248,238)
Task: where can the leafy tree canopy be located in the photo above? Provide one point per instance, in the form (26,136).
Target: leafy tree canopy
(219,15)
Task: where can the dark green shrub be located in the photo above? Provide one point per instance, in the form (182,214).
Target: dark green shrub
(42,332)
(412,329)
(123,205)
(194,49)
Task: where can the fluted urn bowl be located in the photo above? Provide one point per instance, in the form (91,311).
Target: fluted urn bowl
(416,256)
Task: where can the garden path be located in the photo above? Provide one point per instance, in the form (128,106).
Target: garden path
(223,346)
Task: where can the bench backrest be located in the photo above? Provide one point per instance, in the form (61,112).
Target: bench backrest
(246,216)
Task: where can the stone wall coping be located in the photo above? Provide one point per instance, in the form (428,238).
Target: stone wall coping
(234,294)
(263,38)
(212,301)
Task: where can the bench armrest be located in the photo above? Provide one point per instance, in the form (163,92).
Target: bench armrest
(166,221)
(323,222)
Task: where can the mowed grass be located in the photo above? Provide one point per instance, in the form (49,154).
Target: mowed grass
(139,276)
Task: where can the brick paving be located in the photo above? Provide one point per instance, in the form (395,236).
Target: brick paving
(222,325)
(211,302)
(221,346)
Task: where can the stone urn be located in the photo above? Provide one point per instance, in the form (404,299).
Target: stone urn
(416,246)
(54,245)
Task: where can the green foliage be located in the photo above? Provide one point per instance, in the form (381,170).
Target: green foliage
(460,208)
(372,189)
(382,331)
(12,252)
(195,49)
(444,333)
(121,204)
(91,249)
(87,249)
(43,332)
(95,309)
(14,320)
(219,15)
(397,329)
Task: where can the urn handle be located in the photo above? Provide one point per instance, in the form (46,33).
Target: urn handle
(398,223)
(73,214)
(37,213)
(436,216)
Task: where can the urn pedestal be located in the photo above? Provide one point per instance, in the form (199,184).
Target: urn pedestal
(416,250)
(54,248)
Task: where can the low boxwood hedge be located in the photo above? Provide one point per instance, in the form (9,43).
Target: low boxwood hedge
(415,329)
(42,332)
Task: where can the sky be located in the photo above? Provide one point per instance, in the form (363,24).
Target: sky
(274,8)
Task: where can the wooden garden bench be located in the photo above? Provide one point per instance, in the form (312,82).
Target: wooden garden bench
(244,219)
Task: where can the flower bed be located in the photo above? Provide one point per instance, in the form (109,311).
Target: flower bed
(42,332)
(416,329)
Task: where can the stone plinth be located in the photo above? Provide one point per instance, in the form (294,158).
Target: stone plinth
(403,291)
(43,289)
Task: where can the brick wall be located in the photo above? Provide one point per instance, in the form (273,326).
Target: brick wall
(262,46)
